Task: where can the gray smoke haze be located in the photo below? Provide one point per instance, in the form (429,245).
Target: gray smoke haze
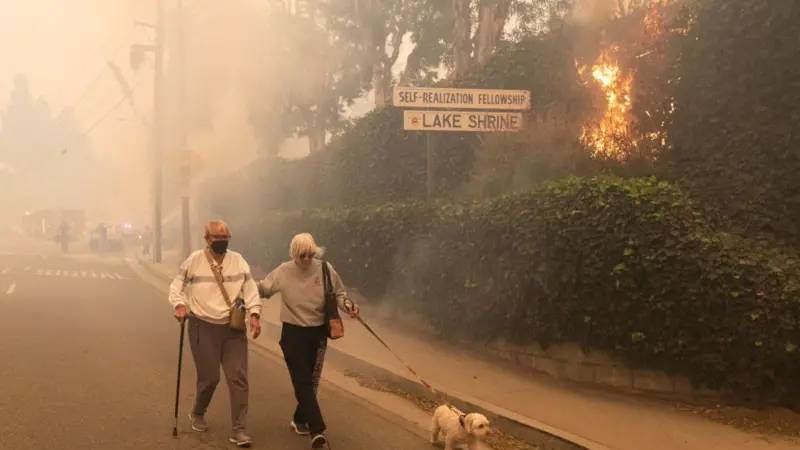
(235,84)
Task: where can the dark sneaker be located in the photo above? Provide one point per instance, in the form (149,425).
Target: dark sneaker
(198,423)
(240,439)
(318,441)
(300,428)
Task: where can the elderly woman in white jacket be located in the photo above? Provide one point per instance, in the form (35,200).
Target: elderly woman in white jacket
(304,334)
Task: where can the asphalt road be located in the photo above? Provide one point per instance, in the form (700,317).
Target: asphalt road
(89,358)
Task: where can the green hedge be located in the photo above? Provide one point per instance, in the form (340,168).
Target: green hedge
(627,266)
(734,131)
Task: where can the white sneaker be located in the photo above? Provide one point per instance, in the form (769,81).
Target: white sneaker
(300,428)
(240,439)
(198,423)
(318,441)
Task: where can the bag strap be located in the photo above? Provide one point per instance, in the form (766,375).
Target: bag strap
(331,307)
(216,270)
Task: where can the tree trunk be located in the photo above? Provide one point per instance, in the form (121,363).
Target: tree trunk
(492,17)
(383,78)
(382,85)
(462,42)
(316,139)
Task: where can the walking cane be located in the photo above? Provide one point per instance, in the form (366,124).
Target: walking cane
(178,387)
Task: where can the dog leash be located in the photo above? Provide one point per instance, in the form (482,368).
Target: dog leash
(433,390)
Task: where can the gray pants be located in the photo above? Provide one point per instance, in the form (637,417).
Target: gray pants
(211,346)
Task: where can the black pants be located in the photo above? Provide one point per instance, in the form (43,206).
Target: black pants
(304,352)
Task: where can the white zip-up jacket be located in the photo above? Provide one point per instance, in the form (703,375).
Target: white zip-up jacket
(196,287)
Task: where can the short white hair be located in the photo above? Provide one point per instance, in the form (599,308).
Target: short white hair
(304,243)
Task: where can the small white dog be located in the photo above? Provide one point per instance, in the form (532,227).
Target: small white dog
(458,429)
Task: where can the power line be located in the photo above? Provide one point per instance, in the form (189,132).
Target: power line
(103,71)
(110,111)
(104,116)
(86,90)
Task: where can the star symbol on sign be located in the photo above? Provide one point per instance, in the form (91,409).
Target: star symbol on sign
(415,120)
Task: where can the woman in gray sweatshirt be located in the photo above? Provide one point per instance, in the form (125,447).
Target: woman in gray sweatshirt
(304,334)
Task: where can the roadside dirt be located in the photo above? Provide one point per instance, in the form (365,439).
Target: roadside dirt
(497,439)
(766,421)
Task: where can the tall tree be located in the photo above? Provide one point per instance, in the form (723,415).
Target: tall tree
(323,70)
(479,25)
(372,32)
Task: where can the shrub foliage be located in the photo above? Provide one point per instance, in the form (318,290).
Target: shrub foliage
(627,266)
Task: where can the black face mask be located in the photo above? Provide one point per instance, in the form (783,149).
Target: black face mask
(219,247)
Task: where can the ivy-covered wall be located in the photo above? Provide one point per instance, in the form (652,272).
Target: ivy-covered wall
(628,266)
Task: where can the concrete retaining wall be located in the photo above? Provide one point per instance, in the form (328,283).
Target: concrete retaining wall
(570,362)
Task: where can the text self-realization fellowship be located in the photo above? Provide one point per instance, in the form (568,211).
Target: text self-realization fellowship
(465,98)
(462,98)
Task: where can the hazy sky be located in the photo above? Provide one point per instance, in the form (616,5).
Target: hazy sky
(62,45)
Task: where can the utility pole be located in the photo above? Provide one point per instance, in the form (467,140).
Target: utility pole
(185,168)
(429,164)
(158,131)
(156,127)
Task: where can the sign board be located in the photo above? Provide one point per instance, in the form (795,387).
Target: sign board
(486,99)
(462,121)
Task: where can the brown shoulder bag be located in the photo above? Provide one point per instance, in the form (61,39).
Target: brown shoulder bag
(333,321)
(238,311)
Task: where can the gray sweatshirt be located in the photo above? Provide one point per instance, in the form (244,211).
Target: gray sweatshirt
(302,292)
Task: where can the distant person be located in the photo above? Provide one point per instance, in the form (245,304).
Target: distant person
(147,241)
(195,293)
(101,234)
(63,236)
(304,335)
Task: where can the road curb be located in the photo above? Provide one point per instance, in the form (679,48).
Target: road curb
(148,266)
(525,428)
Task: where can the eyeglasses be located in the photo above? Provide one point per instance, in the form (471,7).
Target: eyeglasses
(306,255)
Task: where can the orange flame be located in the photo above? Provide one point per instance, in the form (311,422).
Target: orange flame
(610,137)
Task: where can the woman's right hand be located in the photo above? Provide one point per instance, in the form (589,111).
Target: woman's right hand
(181,312)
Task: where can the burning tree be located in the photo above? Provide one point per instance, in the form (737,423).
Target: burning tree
(610,137)
(633,80)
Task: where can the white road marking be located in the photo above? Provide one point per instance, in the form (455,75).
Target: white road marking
(11,289)
(27,268)
(77,274)
(5,271)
